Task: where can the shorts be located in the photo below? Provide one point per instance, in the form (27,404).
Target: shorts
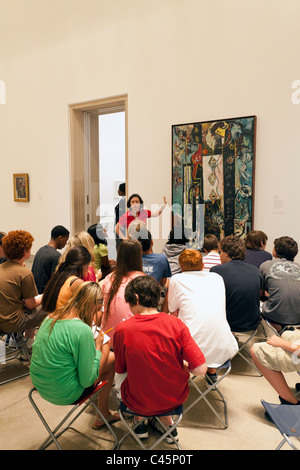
(276,358)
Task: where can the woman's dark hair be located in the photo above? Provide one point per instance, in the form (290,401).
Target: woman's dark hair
(96,232)
(286,247)
(129,258)
(255,239)
(143,289)
(131,197)
(76,259)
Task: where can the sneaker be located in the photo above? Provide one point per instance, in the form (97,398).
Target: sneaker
(25,354)
(141,431)
(156,424)
(211,378)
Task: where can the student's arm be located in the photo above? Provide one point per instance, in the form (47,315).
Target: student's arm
(34,302)
(175,313)
(86,357)
(279,342)
(200,370)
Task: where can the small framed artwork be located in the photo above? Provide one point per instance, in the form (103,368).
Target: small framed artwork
(21,187)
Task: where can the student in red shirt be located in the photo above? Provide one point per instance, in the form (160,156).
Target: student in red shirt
(156,353)
(136,210)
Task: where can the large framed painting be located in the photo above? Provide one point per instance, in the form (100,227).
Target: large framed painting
(213,165)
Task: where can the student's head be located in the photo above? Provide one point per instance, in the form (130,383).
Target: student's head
(256,240)
(2,234)
(210,243)
(177,236)
(145,239)
(144,291)
(81,239)
(129,257)
(60,235)
(135,202)
(98,233)
(84,301)
(76,263)
(285,247)
(190,260)
(121,189)
(232,248)
(17,244)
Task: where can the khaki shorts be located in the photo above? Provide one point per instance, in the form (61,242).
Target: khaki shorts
(277,358)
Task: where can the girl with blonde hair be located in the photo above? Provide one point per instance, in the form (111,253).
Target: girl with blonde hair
(66,360)
(83,239)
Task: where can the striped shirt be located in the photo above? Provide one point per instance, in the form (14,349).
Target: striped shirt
(211,260)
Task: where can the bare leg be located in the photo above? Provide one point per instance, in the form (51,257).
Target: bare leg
(106,372)
(276,379)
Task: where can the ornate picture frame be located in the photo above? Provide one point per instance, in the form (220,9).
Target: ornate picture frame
(21,187)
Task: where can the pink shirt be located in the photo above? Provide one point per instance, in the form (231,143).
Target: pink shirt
(119,309)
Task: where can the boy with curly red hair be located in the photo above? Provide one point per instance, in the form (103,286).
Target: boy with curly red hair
(20,304)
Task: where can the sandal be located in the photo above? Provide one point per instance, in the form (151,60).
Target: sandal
(112,418)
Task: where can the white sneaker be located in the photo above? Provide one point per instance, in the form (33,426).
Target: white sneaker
(168,438)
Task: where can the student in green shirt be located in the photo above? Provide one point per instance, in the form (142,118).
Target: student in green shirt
(66,359)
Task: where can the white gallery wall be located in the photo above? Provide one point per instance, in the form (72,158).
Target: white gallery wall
(179,61)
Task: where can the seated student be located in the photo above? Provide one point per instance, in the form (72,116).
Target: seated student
(128,266)
(281,282)
(83,239)
(66,360)
(197,297)
(211,248)
(176,243)
(67,277)
(2,257)
(279,355)
(242,285)
(46,258)
(151,350)
(155,264)
(256,242)
(136,210)
(20,304)
(99,235)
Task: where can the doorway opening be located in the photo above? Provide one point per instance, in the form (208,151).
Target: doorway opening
(93,151)
(111,171)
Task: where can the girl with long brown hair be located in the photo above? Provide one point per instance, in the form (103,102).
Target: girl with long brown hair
(128,266)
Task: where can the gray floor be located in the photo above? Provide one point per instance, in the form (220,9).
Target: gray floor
(21,429)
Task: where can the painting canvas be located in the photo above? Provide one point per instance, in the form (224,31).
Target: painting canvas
(213,177)
(21,187)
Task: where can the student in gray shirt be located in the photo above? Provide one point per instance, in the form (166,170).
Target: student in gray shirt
(281,282)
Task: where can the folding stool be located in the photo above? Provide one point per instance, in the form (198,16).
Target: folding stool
(88,400)
(176,412)
(287,420)
(8,354)
(242,353)
(210,387)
